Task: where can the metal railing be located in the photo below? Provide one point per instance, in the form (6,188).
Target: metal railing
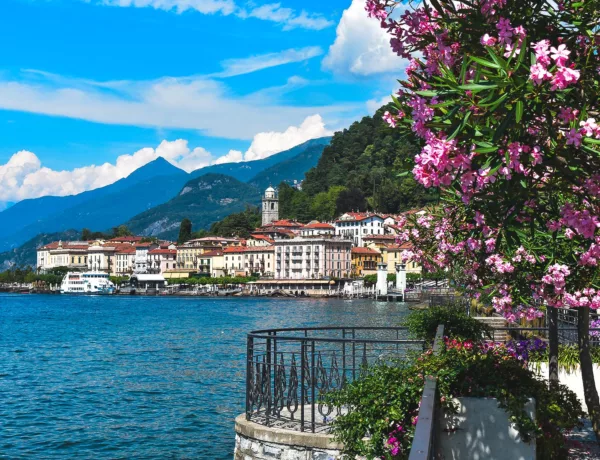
(289,370)
(566,335)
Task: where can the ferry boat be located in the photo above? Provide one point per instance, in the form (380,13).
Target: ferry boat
(86,283)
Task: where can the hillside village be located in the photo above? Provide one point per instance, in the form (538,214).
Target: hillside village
(350,246)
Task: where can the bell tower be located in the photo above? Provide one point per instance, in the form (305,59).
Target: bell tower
(270,206)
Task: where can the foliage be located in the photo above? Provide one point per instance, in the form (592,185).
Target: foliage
(388,397)
(240,224)
(423,323)
(219,281)
(118,280)
(185,231)
(27,275)
(357,171)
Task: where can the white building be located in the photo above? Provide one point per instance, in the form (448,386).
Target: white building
(313,258)
(70,254)
(141,264)
(101,258)
(356,225)
(124,260)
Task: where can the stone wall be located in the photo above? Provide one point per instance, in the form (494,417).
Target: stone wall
(258,442)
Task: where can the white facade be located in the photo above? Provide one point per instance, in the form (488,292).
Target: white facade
(270,206)
(124,262)
(70,254)
(356,226)
(141,264)
(101,258)
(313,258)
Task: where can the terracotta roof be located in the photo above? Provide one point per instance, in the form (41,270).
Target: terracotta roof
(262,237)
(163,251)
(285,223)
(66,245)
(398,247)
(234,250)
(320,225)
(358,216)
(360,250)
(126,250)
(211,254)
(144,245)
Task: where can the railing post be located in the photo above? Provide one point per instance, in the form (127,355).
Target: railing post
(269,392)
(302,390)
(313,377)
(249,383)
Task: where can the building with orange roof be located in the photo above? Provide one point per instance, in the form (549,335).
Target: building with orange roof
(365,260)
(392,255)
(316,228)
(249,260)
(70,254)
(162,259)
(124,260)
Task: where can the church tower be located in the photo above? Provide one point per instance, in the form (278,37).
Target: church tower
(270,206)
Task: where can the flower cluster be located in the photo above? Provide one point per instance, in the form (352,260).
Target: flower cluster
(394,441)
(544,56)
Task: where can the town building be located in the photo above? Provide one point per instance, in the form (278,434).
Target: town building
(249,260)
(212,263)
(357,225)
(316,228)
(101,257)
(312,257)
(364,261)
(141,255)
(270,206)
(70,254)
(125,260)
(162,259)
(392,255)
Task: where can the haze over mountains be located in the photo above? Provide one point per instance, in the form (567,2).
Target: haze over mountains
(137,199)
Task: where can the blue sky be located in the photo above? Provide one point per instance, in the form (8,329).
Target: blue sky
(92,89)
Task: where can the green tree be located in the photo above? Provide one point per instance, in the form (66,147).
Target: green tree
(121,230)
(185,231)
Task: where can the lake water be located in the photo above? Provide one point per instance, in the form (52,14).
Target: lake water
(139,377)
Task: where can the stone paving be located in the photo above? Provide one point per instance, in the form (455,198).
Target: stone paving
(583,444)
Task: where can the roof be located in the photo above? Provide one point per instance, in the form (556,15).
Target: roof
(357,216)
(235,250)
(380,237)
(262,237)
(125,250)
(211,254)
(285,223)
(213,238)
(365,251)
(398,247)
(163,251)
(148,277)
(66,245)
(270,189)
(320,225)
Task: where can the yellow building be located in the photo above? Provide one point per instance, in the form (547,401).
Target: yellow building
(365,260)
(246,261)
(391,254)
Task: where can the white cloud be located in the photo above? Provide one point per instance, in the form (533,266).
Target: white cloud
(233,67)
(25,177)
(374,104)
(234,156)
(268,143)
(361,48)
(273,12)
(198,103)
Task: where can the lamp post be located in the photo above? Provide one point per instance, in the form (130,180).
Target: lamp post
(401,278)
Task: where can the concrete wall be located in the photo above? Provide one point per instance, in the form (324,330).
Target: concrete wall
(481,430)
(572,380)
(258,442)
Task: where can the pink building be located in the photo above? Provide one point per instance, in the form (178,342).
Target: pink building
(313,257)
(162,259)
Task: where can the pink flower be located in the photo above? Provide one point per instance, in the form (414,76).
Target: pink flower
(567,114)
(542,52)
(486,40)
(589,127)
(389,119)
(538,74)
(573,137)
(563,77)
(560,55)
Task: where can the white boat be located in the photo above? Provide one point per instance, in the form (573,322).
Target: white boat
(86,283)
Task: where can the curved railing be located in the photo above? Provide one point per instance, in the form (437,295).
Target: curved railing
(288,370)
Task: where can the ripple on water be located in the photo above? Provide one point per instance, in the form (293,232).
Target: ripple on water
(144,378)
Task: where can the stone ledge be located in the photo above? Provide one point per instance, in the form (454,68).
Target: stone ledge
(280,436)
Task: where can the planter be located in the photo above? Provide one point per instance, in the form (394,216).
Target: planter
(482,430)
(572,379)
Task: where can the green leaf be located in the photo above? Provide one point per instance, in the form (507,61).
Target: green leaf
(461,126)
(485,62)
(403,174)
(427,93)
(486,149)
(519,111)
(475,87)
(591,140)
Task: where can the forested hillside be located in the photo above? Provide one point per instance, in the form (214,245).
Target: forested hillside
(359,170)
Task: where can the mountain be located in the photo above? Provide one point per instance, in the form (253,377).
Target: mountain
(26,253)
(204,200)
(289,170)
(245,171)
(148,186)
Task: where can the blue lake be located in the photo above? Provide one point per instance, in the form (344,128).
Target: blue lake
(135,377)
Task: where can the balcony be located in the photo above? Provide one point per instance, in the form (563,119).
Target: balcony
(287,370)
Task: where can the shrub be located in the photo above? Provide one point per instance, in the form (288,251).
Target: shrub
(423,323)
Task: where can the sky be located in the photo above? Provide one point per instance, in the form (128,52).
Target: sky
(91,90)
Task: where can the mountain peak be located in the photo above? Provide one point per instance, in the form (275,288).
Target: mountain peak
(156,167)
